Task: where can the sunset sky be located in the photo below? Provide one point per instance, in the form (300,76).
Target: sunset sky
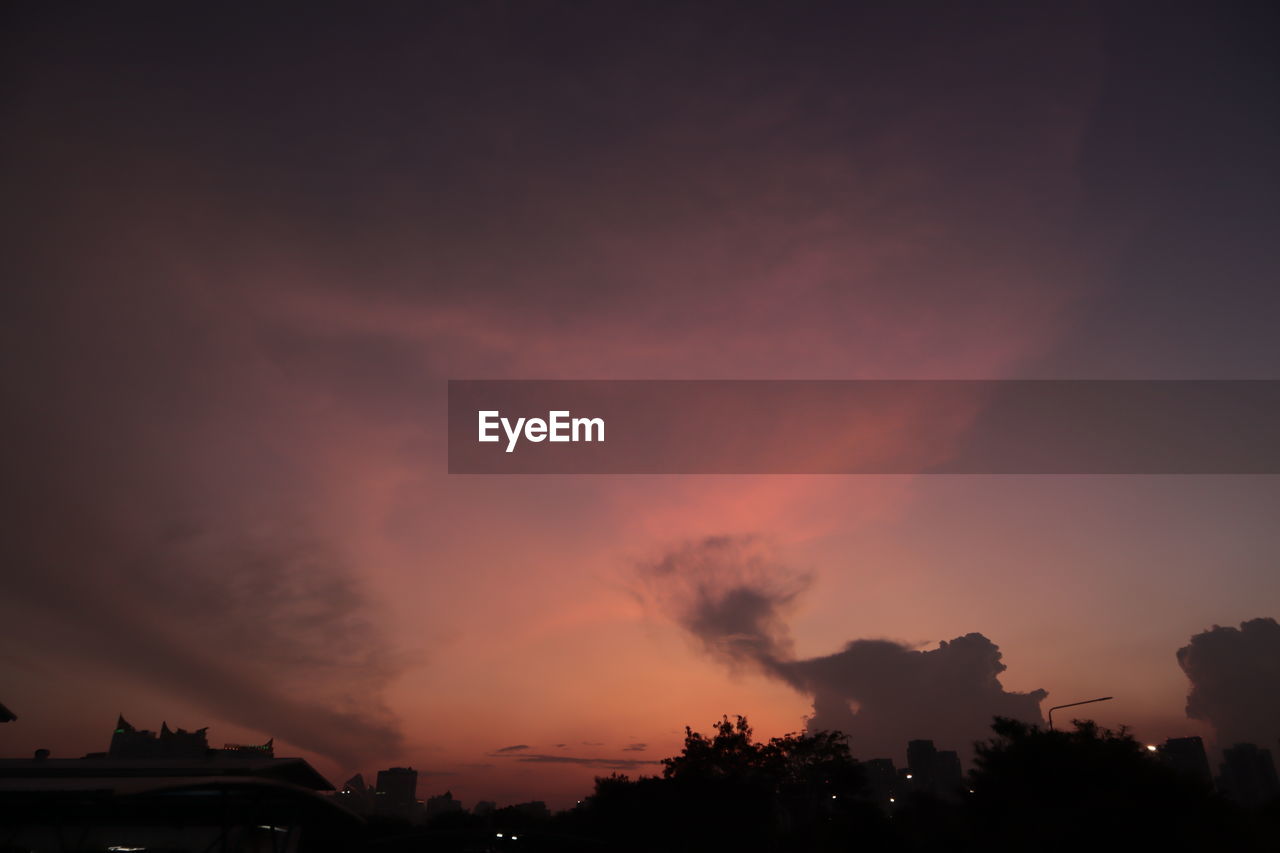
(246,249)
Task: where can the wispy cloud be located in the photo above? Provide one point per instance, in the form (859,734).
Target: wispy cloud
(609,763)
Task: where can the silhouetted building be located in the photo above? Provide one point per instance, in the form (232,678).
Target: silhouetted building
(442,805)
(159,792)
(932,771)
(130,742)
(882,779)
(396,793)
(1248,775)
(6,716)
(484,807)
(948,774)
(920,755)
(536,809)
(1186,755)
(356,795)
(267,749)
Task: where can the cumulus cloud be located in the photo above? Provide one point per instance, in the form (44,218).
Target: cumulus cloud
(1235,681)
(884,693)
(731,595)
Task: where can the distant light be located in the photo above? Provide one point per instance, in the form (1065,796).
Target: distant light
(499,834)
(514,837)
(833,796)
(908,775)
(970,790)
(122,849)
(892,800)
(1151,747)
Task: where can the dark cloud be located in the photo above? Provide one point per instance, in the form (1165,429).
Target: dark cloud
(173,354)
(516,748)
(733,597)
(1235,681)
(730,594)
(167,535)
(884,693)
(268,632)
(635,747)
(611,123)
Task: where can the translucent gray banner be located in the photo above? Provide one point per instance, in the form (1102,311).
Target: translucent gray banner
(864,427)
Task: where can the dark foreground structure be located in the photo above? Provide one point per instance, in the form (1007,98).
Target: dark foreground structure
(1032,789)
(1088,788)
(181,797)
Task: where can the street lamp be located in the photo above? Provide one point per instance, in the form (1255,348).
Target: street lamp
(1072,705)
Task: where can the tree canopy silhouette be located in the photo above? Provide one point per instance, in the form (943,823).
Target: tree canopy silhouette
(1060,789)
(726,790)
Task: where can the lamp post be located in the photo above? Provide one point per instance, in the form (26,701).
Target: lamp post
(1072,705)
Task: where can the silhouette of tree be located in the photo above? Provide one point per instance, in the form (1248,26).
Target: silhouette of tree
(730,754)
(1087,786)
(726,791)
(818,760)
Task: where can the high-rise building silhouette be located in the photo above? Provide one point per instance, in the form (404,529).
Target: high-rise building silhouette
(1248,775)
(882,779)
(921,757)
(948,775)
(1186,755)
(442,804)
(396,792)
(933,771)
